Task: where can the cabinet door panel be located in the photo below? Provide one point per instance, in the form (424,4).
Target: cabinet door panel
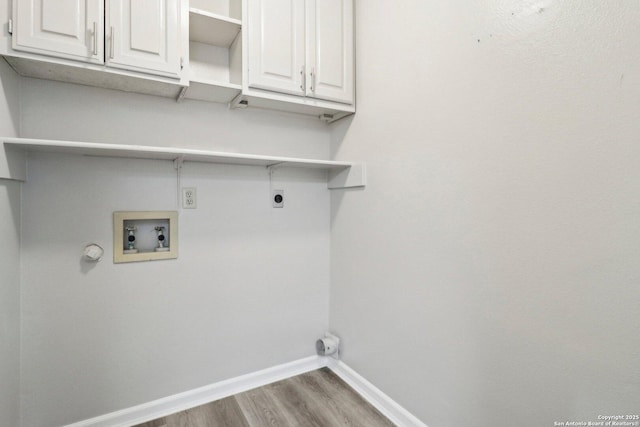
(70,29)
(330,50)
(276,45)
(144,35)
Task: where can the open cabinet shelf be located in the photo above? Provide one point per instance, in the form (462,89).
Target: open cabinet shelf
(214,53)
(341,174)
(210,28)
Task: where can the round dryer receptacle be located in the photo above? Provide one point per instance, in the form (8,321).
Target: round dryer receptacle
(326,346)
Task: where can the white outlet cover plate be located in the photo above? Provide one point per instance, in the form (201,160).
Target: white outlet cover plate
(189,198)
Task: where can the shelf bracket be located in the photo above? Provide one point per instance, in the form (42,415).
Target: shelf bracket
(238,102)
(182,94)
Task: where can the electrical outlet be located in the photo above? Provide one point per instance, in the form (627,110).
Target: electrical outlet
(278,198)
(189,200)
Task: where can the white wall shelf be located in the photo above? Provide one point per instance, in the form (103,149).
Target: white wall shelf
(341,174)
(210,28)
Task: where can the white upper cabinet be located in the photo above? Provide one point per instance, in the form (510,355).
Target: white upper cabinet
(288,55)
(302,47)
(137,35)
(330,50)
(70,29)
(144,35)
(277,47)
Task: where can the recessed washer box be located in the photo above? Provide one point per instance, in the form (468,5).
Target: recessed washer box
(144,236)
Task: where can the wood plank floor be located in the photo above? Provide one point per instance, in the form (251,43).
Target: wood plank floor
(318,398)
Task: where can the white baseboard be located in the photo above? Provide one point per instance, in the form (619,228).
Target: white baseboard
(192,398)
(189,399)
(383,403)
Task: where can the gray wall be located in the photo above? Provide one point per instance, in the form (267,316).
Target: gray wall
(489,275)
(9,259)
(249,290)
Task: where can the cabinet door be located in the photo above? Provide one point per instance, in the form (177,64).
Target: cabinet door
(330,62)
(70,29)
(276,45)
(144,36)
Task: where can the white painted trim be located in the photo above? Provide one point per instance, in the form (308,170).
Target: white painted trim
(13,164)
(383,403)
(200,396)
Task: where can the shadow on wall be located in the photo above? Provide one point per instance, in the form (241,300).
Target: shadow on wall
(11,163)
(339,130)
(12,191)
(9,85)
(9,302)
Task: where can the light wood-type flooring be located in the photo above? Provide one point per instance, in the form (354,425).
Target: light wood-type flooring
(317,398)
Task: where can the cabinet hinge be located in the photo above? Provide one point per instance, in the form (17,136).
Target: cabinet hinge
(181,63)
(10,27)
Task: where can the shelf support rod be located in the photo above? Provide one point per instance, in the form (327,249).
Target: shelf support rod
(177,164)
